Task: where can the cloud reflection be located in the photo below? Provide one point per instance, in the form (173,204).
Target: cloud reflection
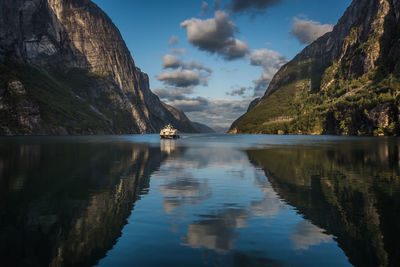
(270,204)
(216,232)
(307,234)
(203,157)
(183,191)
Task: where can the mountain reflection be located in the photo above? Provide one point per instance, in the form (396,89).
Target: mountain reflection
(351,191)
(67,201)
(65,204)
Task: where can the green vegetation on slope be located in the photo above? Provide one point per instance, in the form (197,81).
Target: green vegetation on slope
(70,101)
(341,106)
(283,107)
(95,89)
(57,101)
(357,94)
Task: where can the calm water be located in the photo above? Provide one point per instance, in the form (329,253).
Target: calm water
(202,200)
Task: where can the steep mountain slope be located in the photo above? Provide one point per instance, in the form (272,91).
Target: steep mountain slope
(203,128)
(65,69)
(346,82)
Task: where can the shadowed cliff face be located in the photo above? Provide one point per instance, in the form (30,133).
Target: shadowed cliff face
(66,204)
(351,193)
(42,42)
(346,82)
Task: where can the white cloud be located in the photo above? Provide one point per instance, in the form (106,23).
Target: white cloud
(173,93)
(216,35)
(271,61)
(191,104)
(183,78)
(237,92)
(173,62)
(307,31)
(261,84)
(217,113)
(178,51)
(196,65)
(170,61)
(174,40)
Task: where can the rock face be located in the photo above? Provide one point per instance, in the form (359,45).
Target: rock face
(338,83)
(77,75)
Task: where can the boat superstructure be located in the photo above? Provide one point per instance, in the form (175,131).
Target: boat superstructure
(169,132)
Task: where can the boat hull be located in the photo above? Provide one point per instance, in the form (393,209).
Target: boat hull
(169,136)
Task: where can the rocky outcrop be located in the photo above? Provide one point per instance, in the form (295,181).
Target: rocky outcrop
(24,112)
(47,41)
(335,82)
(379,115)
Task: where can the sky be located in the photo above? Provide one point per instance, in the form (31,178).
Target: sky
(212,58)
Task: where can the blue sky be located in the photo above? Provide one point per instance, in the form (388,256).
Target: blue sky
(224,79)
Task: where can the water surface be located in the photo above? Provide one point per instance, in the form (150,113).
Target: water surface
(202,200)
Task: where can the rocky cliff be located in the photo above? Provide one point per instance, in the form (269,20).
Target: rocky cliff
(346,82)
(65,69)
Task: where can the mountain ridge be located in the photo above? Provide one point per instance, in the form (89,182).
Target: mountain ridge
(346,82)
(65,69)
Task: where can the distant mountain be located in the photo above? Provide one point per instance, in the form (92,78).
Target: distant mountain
(346,82)
(203,128)
(65,69)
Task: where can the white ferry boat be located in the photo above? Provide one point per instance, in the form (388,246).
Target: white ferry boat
(168,132)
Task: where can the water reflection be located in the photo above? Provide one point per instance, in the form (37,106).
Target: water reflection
(216,231)
(215,200)
(66,204)
(168,146)
(183,191)
(69,201)
(306,234)
(270,204)
(351,191)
